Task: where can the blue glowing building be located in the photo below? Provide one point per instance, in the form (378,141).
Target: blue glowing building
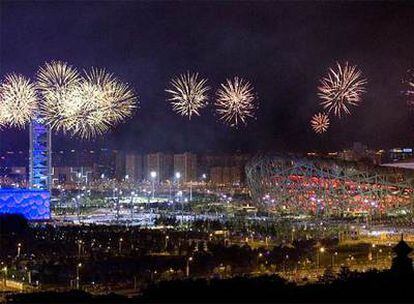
(40,156)
(33,203)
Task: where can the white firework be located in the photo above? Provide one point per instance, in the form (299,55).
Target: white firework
(341,89)
(235,101)
(188,94)
(18,101)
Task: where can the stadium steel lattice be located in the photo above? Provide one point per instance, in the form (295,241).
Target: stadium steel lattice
(294,185)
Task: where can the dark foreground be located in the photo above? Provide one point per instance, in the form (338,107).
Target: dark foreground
(348,287)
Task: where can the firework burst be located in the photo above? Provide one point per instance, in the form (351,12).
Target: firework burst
(100,102)
(235,101)
(188,94)
(341,88)
(18,101)
(57,81)
(85,106)
(320,123)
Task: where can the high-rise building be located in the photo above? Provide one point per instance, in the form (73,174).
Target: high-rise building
(216,175)
(119,165)
(161,163)
(133,166)
(186,164)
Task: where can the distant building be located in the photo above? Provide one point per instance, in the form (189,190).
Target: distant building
(120,165)
(134,167)
(226,175)
(186,164)
(72,175)
(160,163)
(216,175)
(223,169)
(398,154)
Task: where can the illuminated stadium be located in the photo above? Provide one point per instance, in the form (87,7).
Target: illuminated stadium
(304,186)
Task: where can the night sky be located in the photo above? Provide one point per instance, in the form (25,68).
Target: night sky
(282,48)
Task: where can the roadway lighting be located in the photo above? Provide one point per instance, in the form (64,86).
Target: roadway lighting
(78,267)
(187,269)
(153,175)
(166,242)
(177,175)
(19,247)
(80,242)
(318,256)
(120,245)
(333,258)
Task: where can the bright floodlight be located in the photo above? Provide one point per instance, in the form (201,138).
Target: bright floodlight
(177,175)
(153,174)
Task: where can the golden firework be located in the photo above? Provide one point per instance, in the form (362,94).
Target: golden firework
(85,106)
(18,101)
(320,123)
(188,94)
(100,101)
(341,88)
(235,101)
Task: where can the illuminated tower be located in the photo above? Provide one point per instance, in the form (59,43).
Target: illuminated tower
(40,156)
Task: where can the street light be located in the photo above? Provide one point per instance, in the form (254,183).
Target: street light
(320,251)
(78,267)
(333,258)
(80,242)
(187,270)
(153,176)
(378,252)
(166,242)
(19,247)
(120,245)
(5,269)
